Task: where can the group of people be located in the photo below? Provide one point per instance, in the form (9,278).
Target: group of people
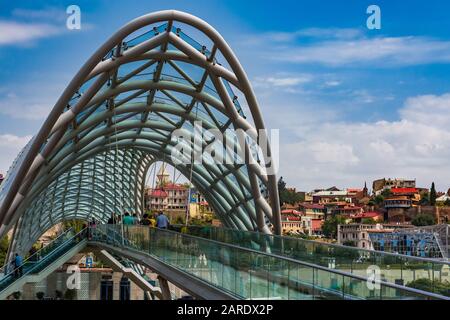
(161,221)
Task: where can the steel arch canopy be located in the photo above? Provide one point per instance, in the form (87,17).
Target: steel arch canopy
(118,116)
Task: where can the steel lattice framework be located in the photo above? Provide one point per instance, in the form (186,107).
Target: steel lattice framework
(116,118)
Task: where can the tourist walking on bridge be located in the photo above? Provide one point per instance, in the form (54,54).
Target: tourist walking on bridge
(18,265)
(162,222)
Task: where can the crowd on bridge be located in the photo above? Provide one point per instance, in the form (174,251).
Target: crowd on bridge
(160,221)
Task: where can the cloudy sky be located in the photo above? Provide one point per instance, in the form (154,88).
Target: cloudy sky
(352,104)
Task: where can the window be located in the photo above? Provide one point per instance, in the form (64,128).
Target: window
(124,289)
(106,289)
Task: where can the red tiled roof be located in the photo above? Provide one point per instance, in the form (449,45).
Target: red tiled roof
(403,190)
(291,211)
(173,186)
(158,193)
(371,214)
(291,218)
(316,224)
(349,208)
(312,206)
(354,190)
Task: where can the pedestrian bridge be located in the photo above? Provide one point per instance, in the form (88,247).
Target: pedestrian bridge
(214,263)
(116,118)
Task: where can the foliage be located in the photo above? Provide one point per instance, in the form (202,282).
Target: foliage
(288,196)
(17,295)
(424,199)
(368,221)
(58,295)
(76,225)
(70,294)
(423,220)
(386,193)
(349,243)
(379,200)
(179,220)
(433,195)
(435,286)
(447,202)
(4,244)
(329,227)
(40,295)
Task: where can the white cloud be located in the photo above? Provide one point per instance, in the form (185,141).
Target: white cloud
(28,108)
(10,146)
(49,13)
(316,33)
(18,33)
(387,51)
(283,81)
(335,47)
(332,83)
(347,154)
(333,33)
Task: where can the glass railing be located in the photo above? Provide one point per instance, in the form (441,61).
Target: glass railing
(42,258)
(427,274)
(247,273)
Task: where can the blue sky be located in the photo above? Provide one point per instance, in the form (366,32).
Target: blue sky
(352,104)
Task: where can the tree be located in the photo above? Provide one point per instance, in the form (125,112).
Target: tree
(75,224)
(4,244)
(379,199)
(447,202)
(436,286)
(288,196)
(386,193)
(40,295)
(424,199)
(329,227)
(433,195)
(368,221)
(423,220)
(281,184)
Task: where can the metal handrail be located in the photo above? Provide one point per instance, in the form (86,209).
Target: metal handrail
(40,250)
(397,255)
(335,271)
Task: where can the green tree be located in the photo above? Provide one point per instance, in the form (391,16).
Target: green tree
(423,220)
(368,221)
(435,286)
(424,199)
(447,202)
(386,193)
(75,224)
(433,195)
(379,199)
(329,227)
(288,196)
(4,244)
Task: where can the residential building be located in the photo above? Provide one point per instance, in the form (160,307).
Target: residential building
(343,208)
(412,193)
(326,196)
(420,242)
(443,198)
(357,234)
(312,210)
(378,186)
(292,221)
(167,196)
(396,208)
(359,217)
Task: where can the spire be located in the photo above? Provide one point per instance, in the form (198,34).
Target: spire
(163,176)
